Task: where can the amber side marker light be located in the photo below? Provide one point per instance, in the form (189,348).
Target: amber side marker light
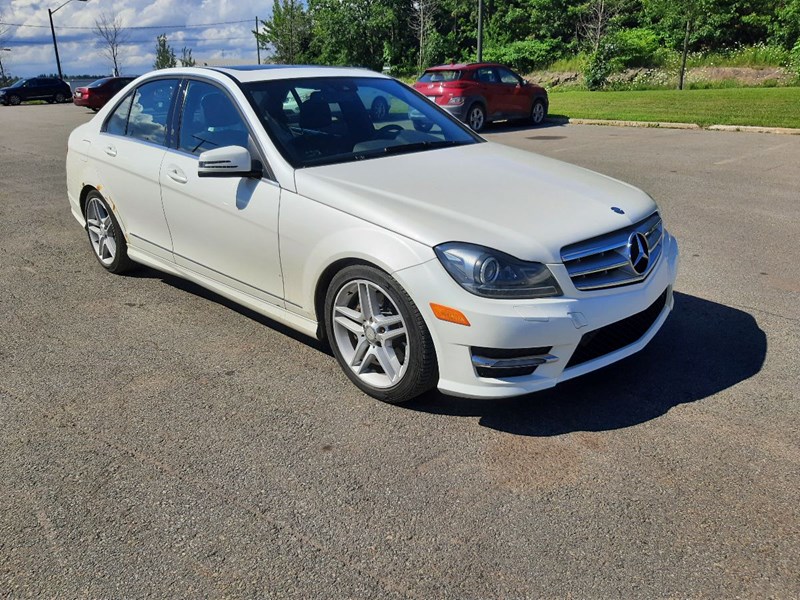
(445,313)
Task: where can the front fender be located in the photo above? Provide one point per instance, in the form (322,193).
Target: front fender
(314,236)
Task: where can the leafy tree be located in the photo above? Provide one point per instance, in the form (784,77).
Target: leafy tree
(186,59)
(352,32)
(165,56)
(677,15)
(288,31)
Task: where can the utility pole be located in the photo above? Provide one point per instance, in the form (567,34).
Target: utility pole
(258,46)
(480,30)
(2,70)
(53,31)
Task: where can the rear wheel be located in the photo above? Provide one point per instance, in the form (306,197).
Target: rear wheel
(105,235)
(378,336)
(59,98)
(538,112)
(476,117)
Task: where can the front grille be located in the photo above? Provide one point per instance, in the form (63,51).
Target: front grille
(615,336)
(604,261)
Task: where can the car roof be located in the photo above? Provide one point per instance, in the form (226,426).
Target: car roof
(463,66)
(250,73)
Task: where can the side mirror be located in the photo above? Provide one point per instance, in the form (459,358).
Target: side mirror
(525,82)
(228,161)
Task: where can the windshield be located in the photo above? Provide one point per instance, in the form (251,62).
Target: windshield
(439,75)
(327,120)
(19,83)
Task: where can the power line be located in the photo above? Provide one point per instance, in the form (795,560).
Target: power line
(147,41)
(198,25)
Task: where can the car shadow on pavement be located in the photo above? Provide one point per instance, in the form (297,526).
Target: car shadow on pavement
(703,348)
(197,290)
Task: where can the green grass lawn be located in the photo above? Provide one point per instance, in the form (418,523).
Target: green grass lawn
(767,107)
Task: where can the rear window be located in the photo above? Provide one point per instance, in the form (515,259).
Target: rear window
(433,76)
(99,82)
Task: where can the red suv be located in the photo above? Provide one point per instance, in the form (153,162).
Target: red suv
(480,93)
(96,94)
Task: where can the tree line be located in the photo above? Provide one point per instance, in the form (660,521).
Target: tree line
(409,35)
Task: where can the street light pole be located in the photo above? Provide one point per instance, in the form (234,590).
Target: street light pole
(53,31)
(2,70)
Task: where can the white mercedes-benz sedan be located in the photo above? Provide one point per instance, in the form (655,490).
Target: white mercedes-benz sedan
(423,254)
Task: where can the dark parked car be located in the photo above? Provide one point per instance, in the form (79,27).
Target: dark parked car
(36,88)
(96,94)
(480,93)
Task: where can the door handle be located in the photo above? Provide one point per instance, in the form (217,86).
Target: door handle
(176,174)
(110,150)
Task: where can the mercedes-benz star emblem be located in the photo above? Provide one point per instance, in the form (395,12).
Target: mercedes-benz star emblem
(638,252)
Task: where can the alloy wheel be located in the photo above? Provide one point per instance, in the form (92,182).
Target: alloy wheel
(371,334)
(102,233)
(476,118)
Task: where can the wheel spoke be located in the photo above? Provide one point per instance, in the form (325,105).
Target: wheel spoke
(111,246)
(360,353)
(350,325)
(388,320)
(368,300)
(387,362)
(392,334)
(369,357)
(350,313)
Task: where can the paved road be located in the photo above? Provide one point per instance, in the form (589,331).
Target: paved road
(158,441)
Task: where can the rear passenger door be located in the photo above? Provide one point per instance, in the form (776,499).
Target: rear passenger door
(131,148)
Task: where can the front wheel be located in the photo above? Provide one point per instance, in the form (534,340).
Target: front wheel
(476,117)
(105,235)
(13,100)
(378,335)
(538,112)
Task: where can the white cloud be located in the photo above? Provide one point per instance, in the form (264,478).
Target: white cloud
(81,53)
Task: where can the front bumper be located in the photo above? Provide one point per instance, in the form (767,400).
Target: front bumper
(555,324)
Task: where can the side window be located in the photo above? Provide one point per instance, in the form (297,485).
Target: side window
(210,120)
(486,75)
(118,121)
(150,111)
(507,76)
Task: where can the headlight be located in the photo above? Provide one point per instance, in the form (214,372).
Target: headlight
(493,274)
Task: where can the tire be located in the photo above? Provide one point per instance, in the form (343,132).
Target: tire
(59,98)
(476,117)
(365,339)
(379,109)
(538,112)
(105,235)
(14,100)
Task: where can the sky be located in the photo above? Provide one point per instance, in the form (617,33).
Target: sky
(216,31)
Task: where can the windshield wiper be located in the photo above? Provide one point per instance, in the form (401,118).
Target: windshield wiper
(403,148)
(400,149)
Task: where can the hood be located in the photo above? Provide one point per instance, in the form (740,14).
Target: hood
(525,204)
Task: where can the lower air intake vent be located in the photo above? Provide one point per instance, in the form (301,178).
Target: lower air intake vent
(611,338)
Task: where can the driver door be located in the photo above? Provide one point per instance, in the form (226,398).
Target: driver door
(225,229)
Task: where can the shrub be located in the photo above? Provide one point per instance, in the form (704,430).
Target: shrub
(523,56)
(634,48)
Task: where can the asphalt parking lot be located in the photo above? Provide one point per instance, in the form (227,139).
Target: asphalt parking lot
(158,441)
